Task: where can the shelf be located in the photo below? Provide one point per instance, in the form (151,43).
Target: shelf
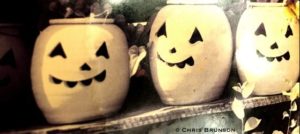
(156,113)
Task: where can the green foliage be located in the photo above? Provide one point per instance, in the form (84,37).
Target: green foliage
(137,10)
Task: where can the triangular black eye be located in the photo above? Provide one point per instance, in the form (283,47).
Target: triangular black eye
(261,30)
(102,51)
(58,51)
(8,59)
(162,31)
(196,36)
(288,32)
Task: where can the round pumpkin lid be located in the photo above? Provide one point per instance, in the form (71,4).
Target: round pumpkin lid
(192,2)
(88,20)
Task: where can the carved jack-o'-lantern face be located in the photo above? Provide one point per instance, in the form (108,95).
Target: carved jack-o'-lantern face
(274,46)
(59,51)
(80,69)
(188,42)
(162,33)
(76,67)
(268,49)
(13,66)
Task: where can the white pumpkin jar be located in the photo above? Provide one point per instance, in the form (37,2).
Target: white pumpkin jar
(80,69)
(14,64)
(190,52)
(267,47)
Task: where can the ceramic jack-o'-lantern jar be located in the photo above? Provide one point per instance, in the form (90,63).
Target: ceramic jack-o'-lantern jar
(190,51)
(267,47)
(14,63)
(80,69)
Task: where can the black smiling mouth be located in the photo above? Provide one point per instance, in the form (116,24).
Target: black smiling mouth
(4,81)
(285,56)
(189,61)
(100,77)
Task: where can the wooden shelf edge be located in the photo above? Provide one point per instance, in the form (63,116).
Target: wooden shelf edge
(164,114)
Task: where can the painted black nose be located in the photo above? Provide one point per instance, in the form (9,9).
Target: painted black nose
(173,50)
(85,67)
(274,46)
